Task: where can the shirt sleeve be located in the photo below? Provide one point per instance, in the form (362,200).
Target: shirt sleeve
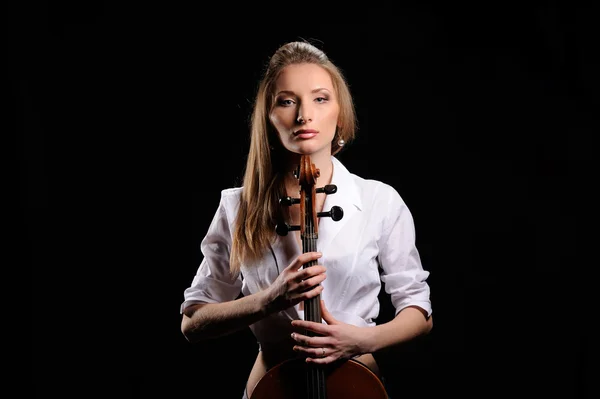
(213,281)
(402,271)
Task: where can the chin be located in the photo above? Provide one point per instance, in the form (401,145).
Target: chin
(307,149)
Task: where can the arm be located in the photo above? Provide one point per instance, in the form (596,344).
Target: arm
(292,286)
(405,281)
(409,323)
(210,307)
(209,320)
(339,340)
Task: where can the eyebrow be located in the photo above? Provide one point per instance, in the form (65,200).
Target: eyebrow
(312,91)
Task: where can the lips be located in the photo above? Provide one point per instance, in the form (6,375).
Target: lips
(306,133)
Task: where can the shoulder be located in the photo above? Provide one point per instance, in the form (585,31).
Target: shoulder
(377,192)
(231,194)
(377,189)
(229,201)
(366,192)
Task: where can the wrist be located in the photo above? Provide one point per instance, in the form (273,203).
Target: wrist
(265,302)
(369,343)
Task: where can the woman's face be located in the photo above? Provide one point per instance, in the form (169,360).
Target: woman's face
(305,111)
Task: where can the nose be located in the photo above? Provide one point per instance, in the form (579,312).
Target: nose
(304,115)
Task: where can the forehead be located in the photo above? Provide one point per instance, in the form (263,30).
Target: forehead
(303,77)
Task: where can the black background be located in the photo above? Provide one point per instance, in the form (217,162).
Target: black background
(131,119)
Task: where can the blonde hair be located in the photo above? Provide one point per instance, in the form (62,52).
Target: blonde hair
(263,181)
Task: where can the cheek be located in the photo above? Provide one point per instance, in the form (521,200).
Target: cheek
(274,119)
(278,121)
(280,127)
(332,118)
(333,113)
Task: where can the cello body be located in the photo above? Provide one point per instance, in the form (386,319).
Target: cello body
(349,379)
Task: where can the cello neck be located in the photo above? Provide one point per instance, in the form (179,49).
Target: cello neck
(312,306)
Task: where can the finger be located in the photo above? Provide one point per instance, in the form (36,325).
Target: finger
(311,271)
(307,284)
(300,296)
(303,259)
(308,342)
(319,328)
(319,352)
(321,360)
(322,356)
(312,292)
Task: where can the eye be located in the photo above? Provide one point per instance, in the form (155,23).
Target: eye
(321,99)
(285,102)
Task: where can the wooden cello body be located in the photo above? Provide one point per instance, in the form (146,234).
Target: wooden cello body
(349,379)
(295,378)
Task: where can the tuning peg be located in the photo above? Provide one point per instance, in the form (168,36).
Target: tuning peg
(327,189)
(282,229)
(289,201)
(336,213)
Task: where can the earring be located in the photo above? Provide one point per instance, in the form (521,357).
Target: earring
(341,142)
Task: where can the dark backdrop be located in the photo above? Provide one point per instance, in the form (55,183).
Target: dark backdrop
(131,119)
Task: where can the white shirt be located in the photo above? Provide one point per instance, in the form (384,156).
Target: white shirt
(377,229)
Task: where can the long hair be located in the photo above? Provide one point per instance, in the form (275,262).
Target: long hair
(263,181)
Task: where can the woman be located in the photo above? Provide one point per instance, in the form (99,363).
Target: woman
(304,107)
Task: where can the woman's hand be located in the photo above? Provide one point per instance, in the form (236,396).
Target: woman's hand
(293,286)
(334,341)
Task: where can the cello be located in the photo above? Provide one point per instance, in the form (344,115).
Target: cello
(295,378)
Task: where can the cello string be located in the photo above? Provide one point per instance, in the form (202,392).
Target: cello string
(315,376)
(319,375)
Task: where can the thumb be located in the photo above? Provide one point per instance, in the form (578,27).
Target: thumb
(328,317)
